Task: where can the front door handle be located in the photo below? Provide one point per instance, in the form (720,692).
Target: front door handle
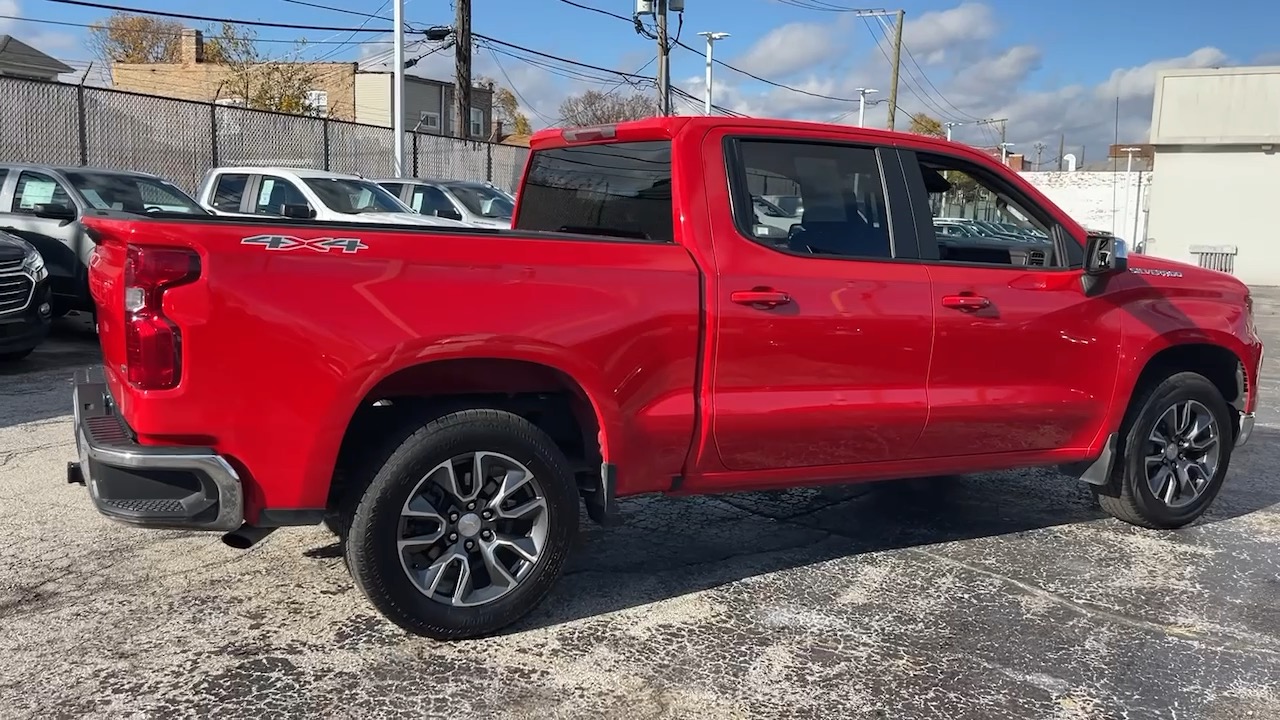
(967,303)
(760,297)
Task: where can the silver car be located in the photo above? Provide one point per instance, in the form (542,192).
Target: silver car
(476,203)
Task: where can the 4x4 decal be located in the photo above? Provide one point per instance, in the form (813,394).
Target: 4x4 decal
(322,244)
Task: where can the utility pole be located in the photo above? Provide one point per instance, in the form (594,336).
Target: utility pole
(462,65)
(897,62)
(1062,149)
(1039,146)
(664,60)
(397,88)
(950,124)
(711,37)
(862,104)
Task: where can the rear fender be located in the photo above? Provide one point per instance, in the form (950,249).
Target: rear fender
(356,390)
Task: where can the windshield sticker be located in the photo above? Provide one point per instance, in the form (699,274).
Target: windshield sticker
(1160,273)
(321,244)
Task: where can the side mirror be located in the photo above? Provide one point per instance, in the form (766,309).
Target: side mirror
(55,211)
(1105,255)
(449,214)
(297,211)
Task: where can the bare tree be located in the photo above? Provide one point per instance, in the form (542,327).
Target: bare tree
(128,38)
(599,108)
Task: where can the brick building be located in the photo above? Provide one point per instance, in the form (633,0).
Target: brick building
(340,90)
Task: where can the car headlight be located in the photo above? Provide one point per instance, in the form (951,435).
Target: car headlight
(34,264)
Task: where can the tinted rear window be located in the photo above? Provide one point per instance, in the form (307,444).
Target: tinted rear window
(617,189)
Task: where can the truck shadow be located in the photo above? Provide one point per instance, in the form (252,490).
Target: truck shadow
(671,547)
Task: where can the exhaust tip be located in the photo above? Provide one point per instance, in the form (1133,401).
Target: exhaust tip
(245,537)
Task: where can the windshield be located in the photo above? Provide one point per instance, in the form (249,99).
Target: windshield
(132,193)
(768,208)
(483,200)
(350,196)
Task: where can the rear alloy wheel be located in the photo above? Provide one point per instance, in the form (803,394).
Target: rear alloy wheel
(1177,446)
(465,527)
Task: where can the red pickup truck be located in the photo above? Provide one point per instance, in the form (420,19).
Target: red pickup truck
(444,399)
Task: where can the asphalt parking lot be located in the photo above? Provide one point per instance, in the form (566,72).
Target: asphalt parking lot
(1007,595)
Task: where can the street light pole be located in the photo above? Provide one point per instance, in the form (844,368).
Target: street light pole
(711,37)
(862,103)
(1004,152)
(397,88)
(949,125)
(1128,183)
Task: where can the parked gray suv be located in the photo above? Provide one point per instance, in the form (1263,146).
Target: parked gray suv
(43,205)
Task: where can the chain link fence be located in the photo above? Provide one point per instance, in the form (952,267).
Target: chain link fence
(53,123)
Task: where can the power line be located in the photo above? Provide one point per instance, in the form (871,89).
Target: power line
(515,91)
(717,61)
(206,18)
(345,11)
(63,23)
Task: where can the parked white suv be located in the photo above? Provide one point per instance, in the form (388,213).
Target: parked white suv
(307,194)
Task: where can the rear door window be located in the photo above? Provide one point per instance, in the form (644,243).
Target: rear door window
(614,189)
(429,200)
(276,192)
(229,191)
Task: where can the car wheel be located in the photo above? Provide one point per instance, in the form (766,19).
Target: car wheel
(1177,444)
(465,527)
(16,356)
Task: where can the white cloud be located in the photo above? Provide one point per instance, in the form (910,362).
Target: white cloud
(789,48)
(935,35)
(52,43)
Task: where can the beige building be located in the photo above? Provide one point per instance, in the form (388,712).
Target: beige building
(1215,135)
(340,90)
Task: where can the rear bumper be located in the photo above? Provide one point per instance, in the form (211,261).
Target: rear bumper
(158,487)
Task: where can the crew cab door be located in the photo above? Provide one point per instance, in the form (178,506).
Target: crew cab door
(821,332)
(1023,360)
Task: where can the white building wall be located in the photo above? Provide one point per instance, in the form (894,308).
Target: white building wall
(1224,197)
(1111,201)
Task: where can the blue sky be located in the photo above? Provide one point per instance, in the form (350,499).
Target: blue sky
(1050,67)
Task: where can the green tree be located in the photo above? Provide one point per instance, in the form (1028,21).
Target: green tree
(263,82)
(506,109)
(922,124)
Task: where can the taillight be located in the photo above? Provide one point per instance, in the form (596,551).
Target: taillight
(154,344)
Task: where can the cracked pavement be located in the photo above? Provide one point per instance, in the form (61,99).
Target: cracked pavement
(1005,595)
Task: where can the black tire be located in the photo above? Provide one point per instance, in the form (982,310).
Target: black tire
(16,355)
(373,531)
(1128,496)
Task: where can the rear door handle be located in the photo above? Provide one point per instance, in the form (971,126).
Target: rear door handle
(967,303)
(760,297)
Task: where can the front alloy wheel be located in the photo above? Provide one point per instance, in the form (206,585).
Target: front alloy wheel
(1176,445)
(1184,453)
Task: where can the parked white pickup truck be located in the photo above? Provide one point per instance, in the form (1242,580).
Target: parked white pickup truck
(305,193)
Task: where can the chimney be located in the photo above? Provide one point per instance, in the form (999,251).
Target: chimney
(192,46)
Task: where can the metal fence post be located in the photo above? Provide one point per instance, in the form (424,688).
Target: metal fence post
(415,155)
(488,162)
(213,133)
(82,122)
(325,128)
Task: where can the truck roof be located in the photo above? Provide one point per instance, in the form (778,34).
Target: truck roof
(669,126)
